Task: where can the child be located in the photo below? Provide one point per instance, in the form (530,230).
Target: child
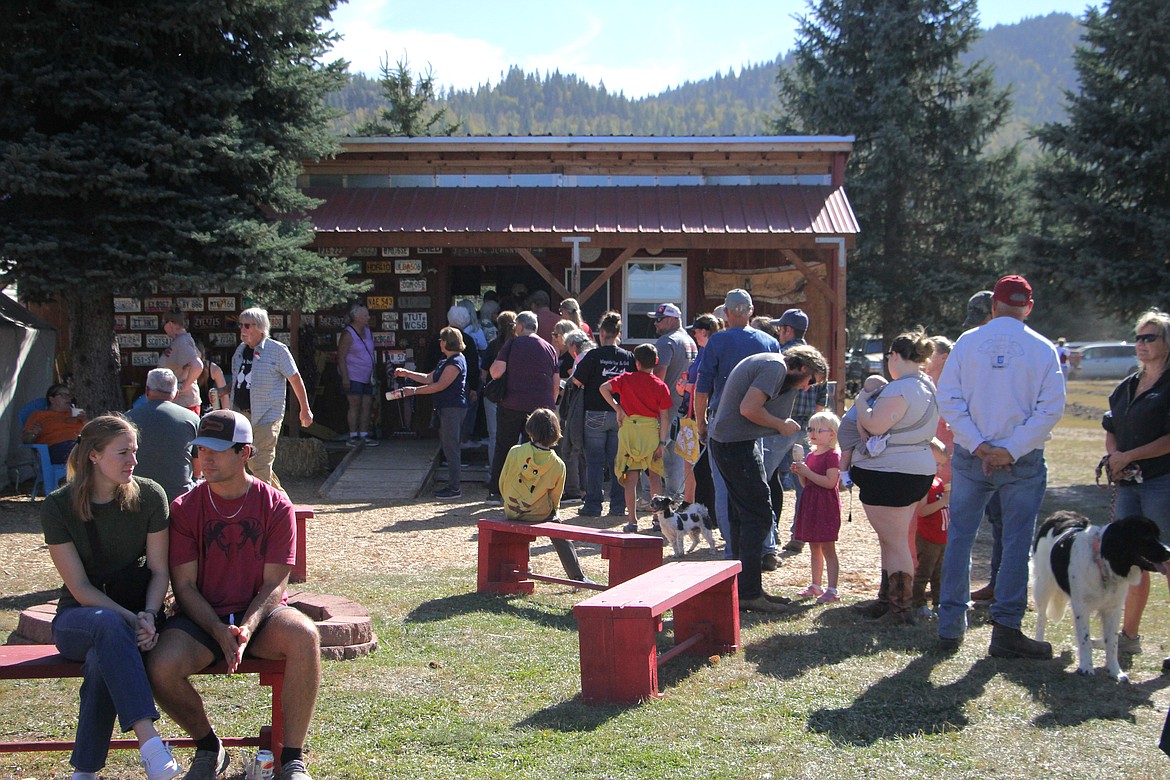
(934,516)
(818,513)
(641,438)
(533,479)
(848,434)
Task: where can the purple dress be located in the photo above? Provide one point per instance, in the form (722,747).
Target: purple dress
(818,514)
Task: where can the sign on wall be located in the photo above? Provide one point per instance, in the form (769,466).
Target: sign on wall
(143,322)
(414,320)
(408,266)
(127,304)
(413,284)
(379,302)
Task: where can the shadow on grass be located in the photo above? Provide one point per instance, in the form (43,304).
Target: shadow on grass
(573,716)
(25,600)
(487,603)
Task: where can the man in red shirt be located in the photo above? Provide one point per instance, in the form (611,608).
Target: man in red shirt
(232,546)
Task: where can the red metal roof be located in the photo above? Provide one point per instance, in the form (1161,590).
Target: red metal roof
(690,210)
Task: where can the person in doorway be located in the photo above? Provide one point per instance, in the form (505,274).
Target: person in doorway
(546,318)
(233,546)
(355,362)
(260,368)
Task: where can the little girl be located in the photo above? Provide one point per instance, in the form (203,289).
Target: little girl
(818,513)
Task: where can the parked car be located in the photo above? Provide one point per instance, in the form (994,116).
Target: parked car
(1103,360)
(865,358)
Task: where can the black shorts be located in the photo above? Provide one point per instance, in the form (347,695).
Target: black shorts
(188,626)
(890,488)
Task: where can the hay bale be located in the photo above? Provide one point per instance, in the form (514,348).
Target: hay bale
(300,457)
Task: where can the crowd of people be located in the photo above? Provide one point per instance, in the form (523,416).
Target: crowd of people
(163,497)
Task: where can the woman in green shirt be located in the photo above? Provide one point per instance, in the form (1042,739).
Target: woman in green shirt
(98,528)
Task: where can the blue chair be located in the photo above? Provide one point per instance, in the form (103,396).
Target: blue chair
(48,474)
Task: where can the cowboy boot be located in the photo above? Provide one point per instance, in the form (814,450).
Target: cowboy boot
(875,609)
(901,611)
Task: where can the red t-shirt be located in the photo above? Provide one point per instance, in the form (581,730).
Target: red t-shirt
(232,545)
(642,394)
(933,528)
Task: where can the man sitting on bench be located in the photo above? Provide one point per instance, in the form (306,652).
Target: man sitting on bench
(233,544)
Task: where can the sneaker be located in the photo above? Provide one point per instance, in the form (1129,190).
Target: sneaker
(371,442)
(448,492)
(769,562)
(1131,645)
(830,596)
(571,500)
(208,764)
(761,603)
(495,499)
(294,770)
(1007,642)
(161,765)
(619,512)
(630,528)
(811,592)
(352,441)
(794,546)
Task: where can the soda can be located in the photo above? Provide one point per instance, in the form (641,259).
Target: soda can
(264,766)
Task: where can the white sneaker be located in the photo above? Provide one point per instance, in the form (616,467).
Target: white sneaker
(160,765)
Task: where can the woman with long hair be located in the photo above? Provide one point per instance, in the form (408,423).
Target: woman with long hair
(1137,441)
(894,466)
(106,531)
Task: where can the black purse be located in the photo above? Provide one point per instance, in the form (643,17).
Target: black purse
(495,388)
(127,586)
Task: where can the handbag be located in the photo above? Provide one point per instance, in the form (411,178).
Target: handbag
(687,444)
(495,388)
(127,586)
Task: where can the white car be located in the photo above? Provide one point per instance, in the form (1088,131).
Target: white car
(1103,360)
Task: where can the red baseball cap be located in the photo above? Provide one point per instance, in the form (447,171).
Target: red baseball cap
(1013,290)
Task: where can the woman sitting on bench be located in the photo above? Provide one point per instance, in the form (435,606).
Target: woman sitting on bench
(533,479)
(107,535)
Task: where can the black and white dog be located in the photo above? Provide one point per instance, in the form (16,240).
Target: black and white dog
(688,520)
(1092,567)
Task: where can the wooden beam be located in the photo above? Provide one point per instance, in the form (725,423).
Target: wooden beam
(609,271)
(545,274)
(821,286)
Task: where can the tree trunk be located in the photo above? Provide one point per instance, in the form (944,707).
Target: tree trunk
(95,360)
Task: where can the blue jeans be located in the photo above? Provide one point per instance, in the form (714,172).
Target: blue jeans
(1021,489)
(674,480)
(601,444)
(113,683)
(749,508)
(722,512)
(1149,499)
(995,520)
(778,455)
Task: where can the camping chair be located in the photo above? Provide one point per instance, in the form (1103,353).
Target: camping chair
(47,474)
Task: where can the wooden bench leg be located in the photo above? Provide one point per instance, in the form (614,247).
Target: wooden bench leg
(503,562)
(714,613)
(619,658)
(625,563)
(301,567)
(275,737)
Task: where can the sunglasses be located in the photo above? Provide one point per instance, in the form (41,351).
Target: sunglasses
(246,326)
(1146,338)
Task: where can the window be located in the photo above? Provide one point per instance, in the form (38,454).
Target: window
(648,284)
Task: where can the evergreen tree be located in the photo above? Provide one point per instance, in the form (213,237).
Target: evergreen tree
(409,112)
(933,206)
(144,151)
(1103,188)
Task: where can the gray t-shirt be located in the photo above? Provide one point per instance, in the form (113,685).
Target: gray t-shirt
(908,448)
(766,372)
(676,350)
(164,446)
(177,357)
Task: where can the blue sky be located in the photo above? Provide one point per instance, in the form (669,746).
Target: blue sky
(637,47)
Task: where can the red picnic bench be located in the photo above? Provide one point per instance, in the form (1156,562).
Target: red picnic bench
(618,629)
(300,568)
(43,662)
(503,554)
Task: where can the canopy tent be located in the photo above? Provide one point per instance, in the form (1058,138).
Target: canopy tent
(28,346)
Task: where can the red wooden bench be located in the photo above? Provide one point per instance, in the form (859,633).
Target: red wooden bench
(503,554)
(43,662)
(618,629)
(300,568)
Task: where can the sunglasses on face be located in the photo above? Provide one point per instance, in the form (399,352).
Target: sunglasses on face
(245,326)
(1145,338)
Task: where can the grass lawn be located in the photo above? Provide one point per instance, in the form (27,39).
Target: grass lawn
(468,686)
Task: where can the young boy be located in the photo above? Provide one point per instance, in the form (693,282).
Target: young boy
(931,537)
(533,479)
(643,413)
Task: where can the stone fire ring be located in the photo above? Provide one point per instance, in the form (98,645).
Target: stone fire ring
(344,625)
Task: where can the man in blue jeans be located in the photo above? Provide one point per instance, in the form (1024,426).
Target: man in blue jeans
(1002,392)
(757,401)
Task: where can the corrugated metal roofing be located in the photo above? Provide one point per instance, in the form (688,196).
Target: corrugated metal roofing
(712,210)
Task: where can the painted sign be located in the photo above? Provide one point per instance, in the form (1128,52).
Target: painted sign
(414,320)
(414,301)
(191,303)
(395,251)
(144,359)
(127,304)
(379,266)
(413,284)
(128,340)
(408,266)
(384,339)
(379,302)
(221,303)
(157,340)
(158,304)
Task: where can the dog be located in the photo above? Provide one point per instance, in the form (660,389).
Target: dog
(1092,567)
(688,520)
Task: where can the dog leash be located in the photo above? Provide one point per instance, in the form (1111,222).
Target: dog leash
(1131,472)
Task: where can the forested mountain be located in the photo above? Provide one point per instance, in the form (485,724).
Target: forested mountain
(1034,57)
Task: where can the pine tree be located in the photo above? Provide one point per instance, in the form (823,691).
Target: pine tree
(410,98)
(933,206)
(149,151)
(1103,187)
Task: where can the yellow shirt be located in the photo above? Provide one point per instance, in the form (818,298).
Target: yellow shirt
(531,483)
